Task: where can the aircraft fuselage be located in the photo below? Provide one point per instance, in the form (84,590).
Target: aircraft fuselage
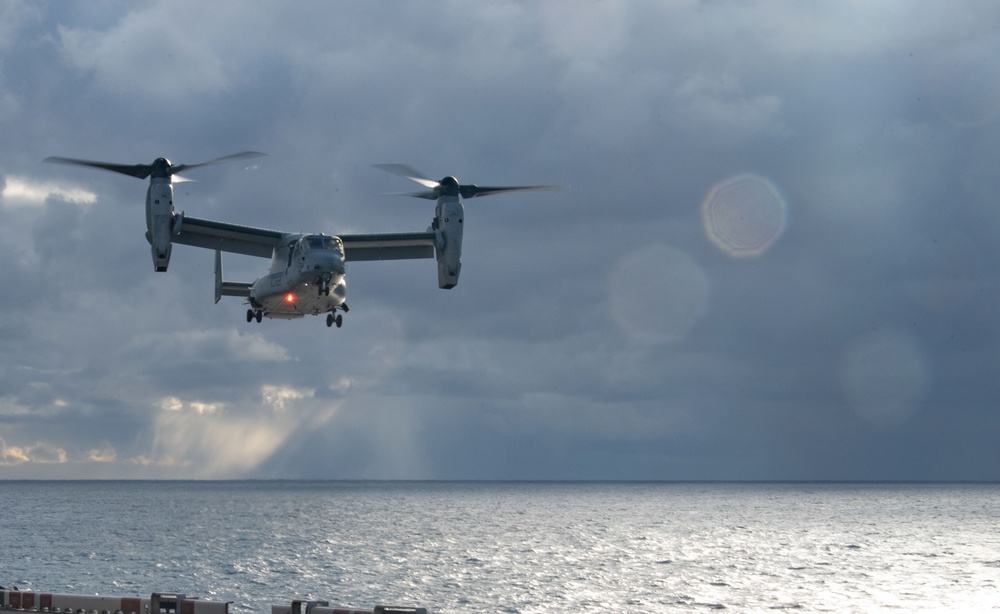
(306,278)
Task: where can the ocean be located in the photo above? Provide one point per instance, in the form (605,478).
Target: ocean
(512,546)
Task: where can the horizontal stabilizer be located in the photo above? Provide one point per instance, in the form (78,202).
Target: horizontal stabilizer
(235,288)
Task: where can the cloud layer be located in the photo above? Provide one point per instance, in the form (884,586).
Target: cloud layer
(775,261)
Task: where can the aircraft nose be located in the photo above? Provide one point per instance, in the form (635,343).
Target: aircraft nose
(329,261)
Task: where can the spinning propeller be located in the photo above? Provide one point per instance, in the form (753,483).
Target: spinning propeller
(160,168)
(449,186)
(161,222)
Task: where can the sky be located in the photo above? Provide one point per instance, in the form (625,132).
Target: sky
(775,258)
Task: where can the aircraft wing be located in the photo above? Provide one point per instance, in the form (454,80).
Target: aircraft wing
(395,246)
(251,241)
(225,237)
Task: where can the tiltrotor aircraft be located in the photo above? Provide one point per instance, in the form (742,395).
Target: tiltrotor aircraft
(307,270)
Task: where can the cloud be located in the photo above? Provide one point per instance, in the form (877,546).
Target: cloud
(171,61)
(199,407)
(181,346)
(714,109)
(281,397)
(11,407)
(22,192)
(15,17)
(40,453)
(609,330)
(102,455)
(12,455)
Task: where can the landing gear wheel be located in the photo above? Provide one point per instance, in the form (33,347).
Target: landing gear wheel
(249,315)
(329,320)
(259,316)
(332,319)
(339,320)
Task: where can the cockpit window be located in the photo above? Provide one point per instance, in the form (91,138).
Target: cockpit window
(322,242)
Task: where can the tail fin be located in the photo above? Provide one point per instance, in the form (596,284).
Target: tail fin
(227,288)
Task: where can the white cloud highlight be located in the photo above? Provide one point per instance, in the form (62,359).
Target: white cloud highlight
(22,192)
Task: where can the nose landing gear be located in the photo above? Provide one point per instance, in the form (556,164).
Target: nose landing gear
(254,315)
(331,320)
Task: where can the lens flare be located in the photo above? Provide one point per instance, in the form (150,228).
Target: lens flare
(744,215)
(658,294)
(884,376)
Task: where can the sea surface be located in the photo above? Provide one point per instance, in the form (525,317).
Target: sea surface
(512,547)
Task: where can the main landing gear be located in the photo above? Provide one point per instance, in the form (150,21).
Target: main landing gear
(331,318)
(337,319)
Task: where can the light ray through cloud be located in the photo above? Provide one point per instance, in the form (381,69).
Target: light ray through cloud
(757,190)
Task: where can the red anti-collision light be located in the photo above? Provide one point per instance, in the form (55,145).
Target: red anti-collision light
(289,298)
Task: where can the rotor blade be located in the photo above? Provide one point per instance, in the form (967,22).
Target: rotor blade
(429,194)
(410,173)
(472,191)
(139,171)
(236,156)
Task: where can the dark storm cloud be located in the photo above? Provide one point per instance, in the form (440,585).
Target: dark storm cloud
(598,332)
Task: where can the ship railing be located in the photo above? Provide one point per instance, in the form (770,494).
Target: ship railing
(301,606)
(157,603)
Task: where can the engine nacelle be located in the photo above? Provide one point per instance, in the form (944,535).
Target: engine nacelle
(449,224)
(159,222)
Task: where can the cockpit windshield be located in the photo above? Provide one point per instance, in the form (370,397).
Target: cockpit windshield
(322,242)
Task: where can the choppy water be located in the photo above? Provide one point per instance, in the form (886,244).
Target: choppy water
(512,547)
